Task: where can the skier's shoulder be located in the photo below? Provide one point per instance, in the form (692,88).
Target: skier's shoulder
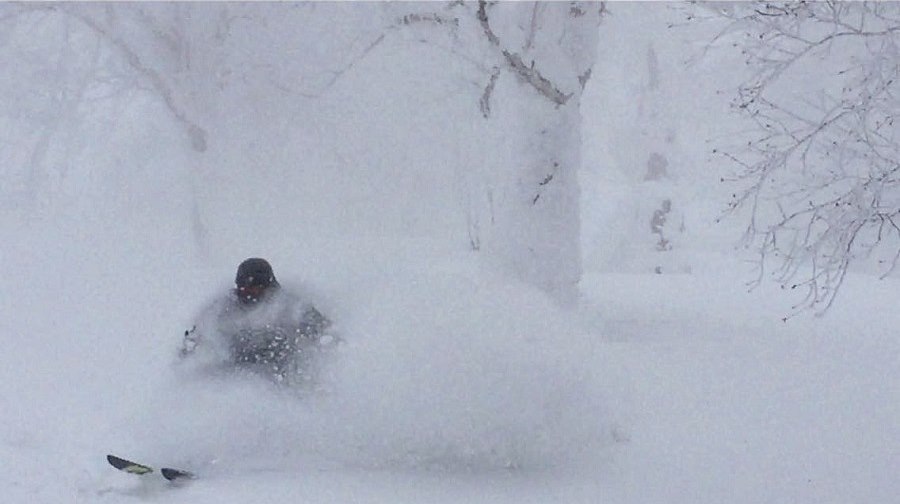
(300,301)
(291,295)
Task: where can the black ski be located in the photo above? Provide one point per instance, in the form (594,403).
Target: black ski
(176,474)
(141,469)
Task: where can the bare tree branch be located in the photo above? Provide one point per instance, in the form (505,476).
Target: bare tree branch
(527,73)
(195,132)
(485,102)
(821,176)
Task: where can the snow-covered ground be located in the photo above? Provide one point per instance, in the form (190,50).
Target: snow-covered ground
(456,384)
(664,388)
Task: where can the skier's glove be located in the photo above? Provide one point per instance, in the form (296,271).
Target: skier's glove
(190,341)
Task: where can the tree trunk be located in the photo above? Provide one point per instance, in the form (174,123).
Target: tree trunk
(529,216)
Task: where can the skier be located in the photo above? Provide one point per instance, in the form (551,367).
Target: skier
(260,327)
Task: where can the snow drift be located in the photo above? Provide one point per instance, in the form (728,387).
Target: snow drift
(446,366)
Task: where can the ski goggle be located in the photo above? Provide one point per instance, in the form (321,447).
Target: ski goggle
(250,291)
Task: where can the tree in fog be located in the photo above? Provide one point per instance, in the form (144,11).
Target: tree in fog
(819,171)
(530,62)
(225,71)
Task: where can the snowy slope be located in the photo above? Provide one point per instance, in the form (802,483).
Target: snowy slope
(456,383)
(688,390)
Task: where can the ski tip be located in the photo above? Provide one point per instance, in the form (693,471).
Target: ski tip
(176,474)
(117,462)
(127,465)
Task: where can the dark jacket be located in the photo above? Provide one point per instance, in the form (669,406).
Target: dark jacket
(279,335)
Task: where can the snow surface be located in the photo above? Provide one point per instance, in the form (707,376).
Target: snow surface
(456,384)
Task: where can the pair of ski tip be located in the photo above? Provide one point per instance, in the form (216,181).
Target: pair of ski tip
(141,469)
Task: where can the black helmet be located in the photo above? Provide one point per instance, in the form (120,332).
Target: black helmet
(253,277)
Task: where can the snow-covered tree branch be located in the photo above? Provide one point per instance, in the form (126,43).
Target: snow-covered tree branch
(531,62)
(528,74)
(109,26)
(820,175)
(211,67)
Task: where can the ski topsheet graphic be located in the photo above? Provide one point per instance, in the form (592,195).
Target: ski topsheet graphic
(135,468)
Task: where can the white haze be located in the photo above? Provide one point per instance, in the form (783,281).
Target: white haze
(456,383)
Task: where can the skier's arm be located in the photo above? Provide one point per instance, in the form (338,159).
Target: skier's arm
(312,322)
(316,326)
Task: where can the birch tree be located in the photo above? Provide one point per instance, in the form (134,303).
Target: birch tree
(191,58)
(528,64)
(529,209)
(531,61)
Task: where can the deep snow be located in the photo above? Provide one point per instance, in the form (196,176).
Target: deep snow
(456,384)
(669,388)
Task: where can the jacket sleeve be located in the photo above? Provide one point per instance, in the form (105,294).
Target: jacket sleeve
(313,323)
